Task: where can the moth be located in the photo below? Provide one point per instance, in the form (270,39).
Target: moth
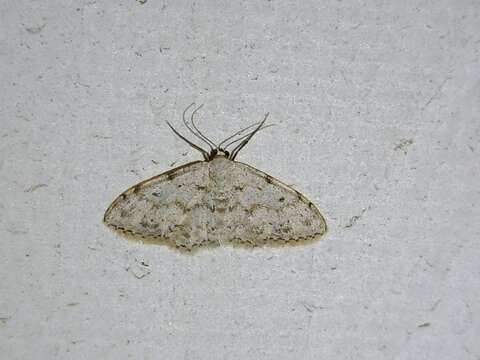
(216,201)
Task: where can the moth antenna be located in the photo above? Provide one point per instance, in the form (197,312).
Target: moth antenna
(198,131)
(237,133)
(188,126)
(246,135)
(204,153)
(239,147)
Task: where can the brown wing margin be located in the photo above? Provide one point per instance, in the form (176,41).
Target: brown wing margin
(142,184)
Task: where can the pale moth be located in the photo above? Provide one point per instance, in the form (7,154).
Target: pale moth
(216,201)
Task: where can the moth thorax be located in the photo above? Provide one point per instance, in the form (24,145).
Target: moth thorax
(219,171)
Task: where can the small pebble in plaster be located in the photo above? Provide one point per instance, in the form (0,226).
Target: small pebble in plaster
(138,268)
(354,219)
(403,145)
(4,320)
(215,202)
(34,187)
(35,29)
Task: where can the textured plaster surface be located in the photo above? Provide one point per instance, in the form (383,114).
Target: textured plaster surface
(377,109)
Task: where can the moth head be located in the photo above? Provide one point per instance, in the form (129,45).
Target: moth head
(242,137)
(222,152)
